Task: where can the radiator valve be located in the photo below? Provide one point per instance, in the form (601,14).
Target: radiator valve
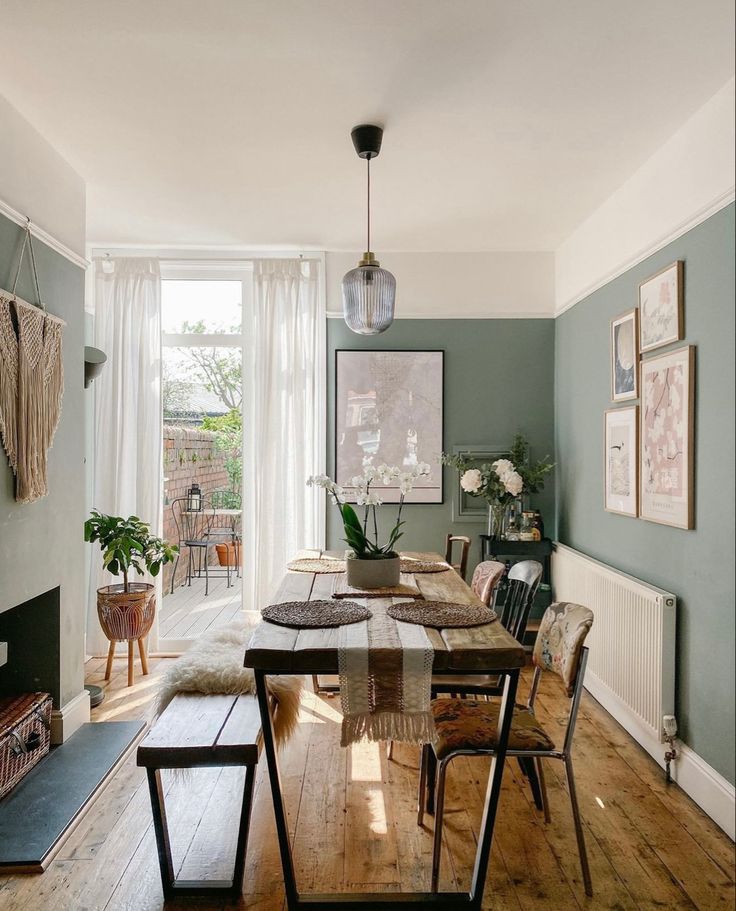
(669,722)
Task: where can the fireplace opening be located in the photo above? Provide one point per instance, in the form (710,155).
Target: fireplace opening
(32,632)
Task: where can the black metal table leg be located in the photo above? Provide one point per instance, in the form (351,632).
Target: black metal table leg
(450,901)
(171,885)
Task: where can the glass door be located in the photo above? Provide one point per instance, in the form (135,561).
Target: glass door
(202,430)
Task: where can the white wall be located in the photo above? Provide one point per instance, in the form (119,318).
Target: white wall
(37,182)
(460,285)
(686,180)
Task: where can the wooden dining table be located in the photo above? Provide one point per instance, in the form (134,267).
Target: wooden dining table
(472,650)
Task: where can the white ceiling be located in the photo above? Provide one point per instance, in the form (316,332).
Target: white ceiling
(227,122)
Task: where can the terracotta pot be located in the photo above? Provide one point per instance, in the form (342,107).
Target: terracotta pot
(228,554)
(126,615)
(374,573)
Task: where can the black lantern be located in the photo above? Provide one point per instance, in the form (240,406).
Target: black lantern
(194,499)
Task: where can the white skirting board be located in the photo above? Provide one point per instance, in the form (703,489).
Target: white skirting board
(708,788)
(70,717)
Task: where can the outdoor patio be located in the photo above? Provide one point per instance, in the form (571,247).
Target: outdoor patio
(187,613)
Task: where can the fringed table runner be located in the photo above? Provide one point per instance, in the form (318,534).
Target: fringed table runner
(385,681)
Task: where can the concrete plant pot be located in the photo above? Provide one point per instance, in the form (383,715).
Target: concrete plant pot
(384,573)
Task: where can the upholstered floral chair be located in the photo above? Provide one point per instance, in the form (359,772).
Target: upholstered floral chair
(470,726)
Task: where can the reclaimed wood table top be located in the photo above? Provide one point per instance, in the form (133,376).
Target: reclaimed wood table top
(473,650)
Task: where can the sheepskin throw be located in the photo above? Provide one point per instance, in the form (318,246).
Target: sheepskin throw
(214,664)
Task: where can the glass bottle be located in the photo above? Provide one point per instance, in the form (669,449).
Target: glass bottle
(526,529)
(512,529)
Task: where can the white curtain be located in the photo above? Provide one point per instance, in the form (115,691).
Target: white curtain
(127,428)
(285,371)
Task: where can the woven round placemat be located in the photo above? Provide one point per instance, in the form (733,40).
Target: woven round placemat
(308,565)
(408,565)
(441,614)
(310,614)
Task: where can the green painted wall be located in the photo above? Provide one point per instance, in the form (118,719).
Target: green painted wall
(498,380)
(41,544)
(697,566)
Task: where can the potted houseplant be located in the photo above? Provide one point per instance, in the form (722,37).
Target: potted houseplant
(370,563)
(126,610)
(501,482)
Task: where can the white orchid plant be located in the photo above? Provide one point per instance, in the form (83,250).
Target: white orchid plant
(362,536)
(500,482)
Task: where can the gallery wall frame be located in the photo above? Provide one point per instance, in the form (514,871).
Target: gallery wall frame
(389,407)
(466,508)
(662,307)
(625,356)
(667,438)
(621,461)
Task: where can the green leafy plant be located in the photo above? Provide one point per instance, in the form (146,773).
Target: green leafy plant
(364,541)
(500,482)
(228,430)
(128,544)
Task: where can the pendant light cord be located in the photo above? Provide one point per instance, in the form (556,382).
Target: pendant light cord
(369,203)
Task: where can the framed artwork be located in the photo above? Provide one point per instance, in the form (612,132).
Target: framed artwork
(389,408)
(661,308)
(624,357)
(667,442)
(622,461)
(464,507)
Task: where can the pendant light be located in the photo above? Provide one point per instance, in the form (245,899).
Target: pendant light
(368,292)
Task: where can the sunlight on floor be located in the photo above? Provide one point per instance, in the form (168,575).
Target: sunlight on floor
(365,762)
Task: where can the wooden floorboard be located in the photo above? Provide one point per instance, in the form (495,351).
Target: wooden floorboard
(352,817)
(187,612)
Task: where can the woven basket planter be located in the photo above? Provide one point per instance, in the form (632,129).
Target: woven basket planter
(126,615)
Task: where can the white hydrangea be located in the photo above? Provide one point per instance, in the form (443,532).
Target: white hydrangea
(471,481)
(502,467)
(513,483)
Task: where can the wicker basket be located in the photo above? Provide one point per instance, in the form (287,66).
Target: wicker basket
(25,736)
(126,615)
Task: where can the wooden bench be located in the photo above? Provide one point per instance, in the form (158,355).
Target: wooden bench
(192,732)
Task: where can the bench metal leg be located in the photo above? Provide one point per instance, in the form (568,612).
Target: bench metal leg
(173,887)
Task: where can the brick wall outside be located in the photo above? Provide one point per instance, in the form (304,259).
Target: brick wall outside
(190,456)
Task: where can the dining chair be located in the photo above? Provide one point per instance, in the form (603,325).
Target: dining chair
(462,567)
(468,727)
(486,578)
(522,583)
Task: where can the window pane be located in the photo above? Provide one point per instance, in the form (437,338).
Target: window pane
(201,306)
(200,383)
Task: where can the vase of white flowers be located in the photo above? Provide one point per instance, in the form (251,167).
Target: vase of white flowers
(371,563)
(501,482)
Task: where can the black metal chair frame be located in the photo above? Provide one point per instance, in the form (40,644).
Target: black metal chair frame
(196,532)
(427,785)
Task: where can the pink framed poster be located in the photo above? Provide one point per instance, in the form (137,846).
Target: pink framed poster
(667,439)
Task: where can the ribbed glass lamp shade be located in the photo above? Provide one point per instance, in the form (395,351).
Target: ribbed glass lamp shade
(368,298)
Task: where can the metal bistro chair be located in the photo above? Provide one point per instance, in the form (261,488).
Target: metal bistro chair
(462,567)
(195,532)
(468,727)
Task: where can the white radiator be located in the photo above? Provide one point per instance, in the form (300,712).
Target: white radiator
(631,667)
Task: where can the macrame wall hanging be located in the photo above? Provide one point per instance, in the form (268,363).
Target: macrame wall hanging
(31,383)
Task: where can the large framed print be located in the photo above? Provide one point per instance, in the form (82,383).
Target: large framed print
(624,357)
(661,308)
(467,508)
(389,409)
(667,438)
(622,461)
